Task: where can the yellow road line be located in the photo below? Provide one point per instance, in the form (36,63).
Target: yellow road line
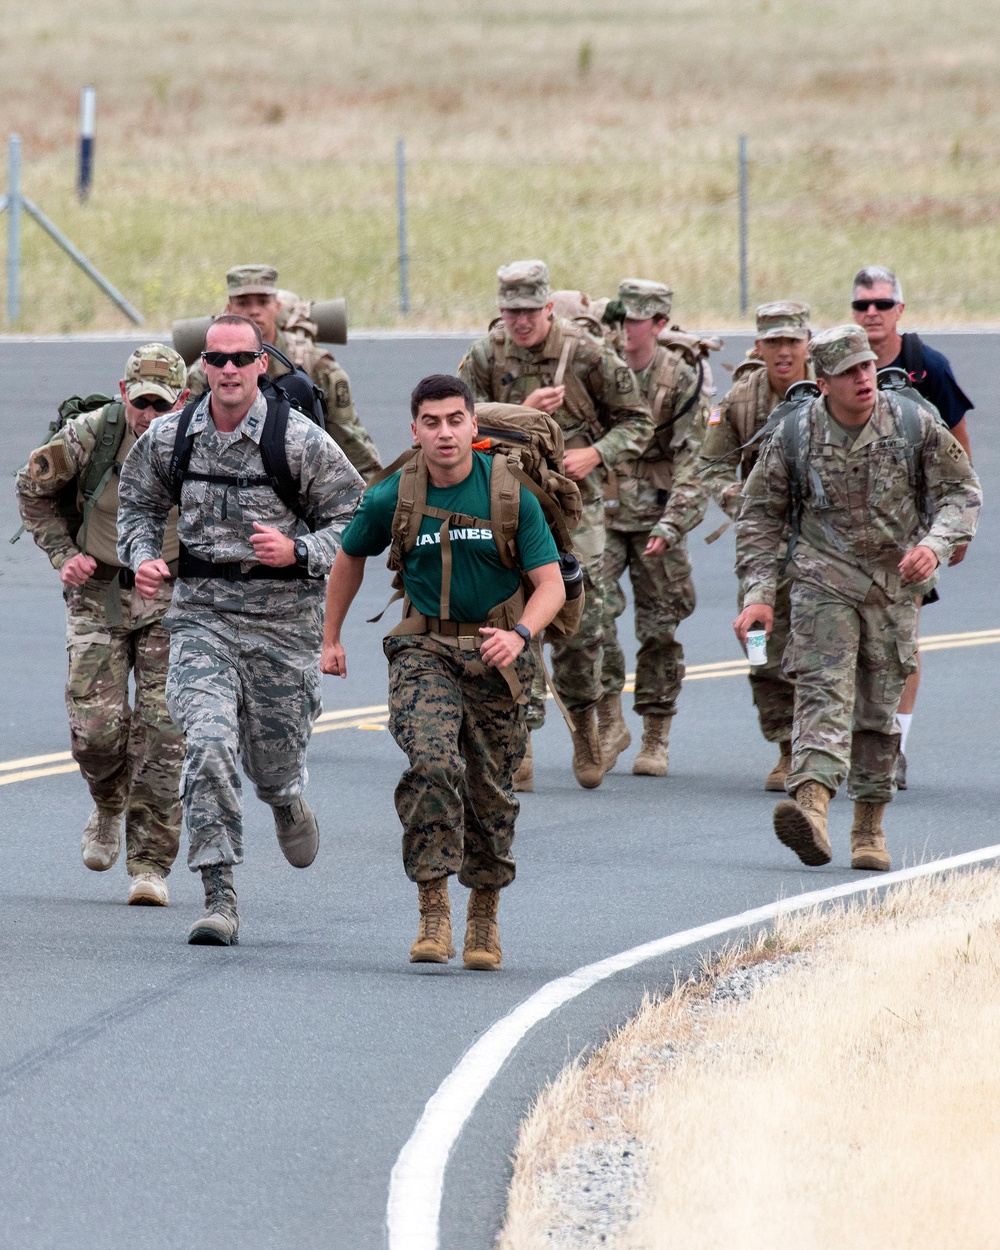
(32,761)
(29,774)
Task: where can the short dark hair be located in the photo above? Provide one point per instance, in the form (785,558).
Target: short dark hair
(233,319)
(440,386)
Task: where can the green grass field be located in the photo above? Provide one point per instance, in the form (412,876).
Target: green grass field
(601,137)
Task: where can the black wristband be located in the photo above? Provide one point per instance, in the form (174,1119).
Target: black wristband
(524,632)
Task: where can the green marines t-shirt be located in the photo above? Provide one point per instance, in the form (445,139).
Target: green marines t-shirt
(479,581)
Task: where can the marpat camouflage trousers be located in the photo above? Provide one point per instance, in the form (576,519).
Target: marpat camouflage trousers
(772,689)
(130,757)
(463,734)
(241,686)
(849,662)
(664,596)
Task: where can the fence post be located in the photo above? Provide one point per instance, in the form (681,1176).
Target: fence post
(13,229)
(88,120)
(744,225)
(404,260)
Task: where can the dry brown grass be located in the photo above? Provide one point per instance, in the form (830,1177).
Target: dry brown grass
(851,1103)
(601,135)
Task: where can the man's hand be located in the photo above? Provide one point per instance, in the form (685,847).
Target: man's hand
(958,555)
(756,616)
(579,461)
(545,399)
(333,660)
(271,547)
(150,576)
(78,569)
(502,646)
(918,564)
(656,547)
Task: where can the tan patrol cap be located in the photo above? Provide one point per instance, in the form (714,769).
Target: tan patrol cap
(252,280)
(155,369)
(783,319)
(837,350)
(523,284)
(642,300)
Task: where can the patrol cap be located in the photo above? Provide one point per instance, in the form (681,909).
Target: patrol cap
(523,284)
(783,319)
(837,350)
(642,299)
(252,280)
(155,369)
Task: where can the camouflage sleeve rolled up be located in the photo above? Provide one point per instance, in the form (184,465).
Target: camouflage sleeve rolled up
(475,371)
(761,534)
(48,470)
(954,494)
(718,461)
(329,489)
(688,498)
(343,423)
(621,406)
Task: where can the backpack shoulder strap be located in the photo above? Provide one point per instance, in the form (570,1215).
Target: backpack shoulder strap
(505,505)
(102,465)
(274,454)
(913,356)
(410,503)
(180,457)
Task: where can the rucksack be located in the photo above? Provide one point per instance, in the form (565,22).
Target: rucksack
(76,500)
(298,388)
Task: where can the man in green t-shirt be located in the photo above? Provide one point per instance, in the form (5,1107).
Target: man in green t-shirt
(457,662)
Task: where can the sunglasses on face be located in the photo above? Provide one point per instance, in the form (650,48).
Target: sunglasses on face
(219,360)
(154,402)
(883,305)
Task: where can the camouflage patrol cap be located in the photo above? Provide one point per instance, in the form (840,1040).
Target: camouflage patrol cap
(523,284)
(155,369)
(643,299)
(783,319)
(837,350)
(252,280)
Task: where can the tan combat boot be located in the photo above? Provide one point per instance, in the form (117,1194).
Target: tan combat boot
(588,761)
(800,823)
(868,849)
(148,889)
(653,759)
(298,832)
(524,775)
(482,951)
(433,944)
(611,729)
(775,782)
(220,924)
(102,839)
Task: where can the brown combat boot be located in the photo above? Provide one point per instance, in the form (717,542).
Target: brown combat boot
(611,729)
(588,761)
(433,944)
(148,889)
(298,832)
(868,849)
(775,782)
(482,951)
(220,924)
(653,759)
(800,823)
(102,838)
(524,775)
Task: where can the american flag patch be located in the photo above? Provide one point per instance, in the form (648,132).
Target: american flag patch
(715,416)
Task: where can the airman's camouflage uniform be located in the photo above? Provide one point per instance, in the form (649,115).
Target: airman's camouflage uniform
(853,620)
(244,654)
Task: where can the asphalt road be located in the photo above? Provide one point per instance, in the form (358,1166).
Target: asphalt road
(158,1095)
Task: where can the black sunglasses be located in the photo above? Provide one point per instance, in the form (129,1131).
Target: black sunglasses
(219,360)
(148,401)
(883,305)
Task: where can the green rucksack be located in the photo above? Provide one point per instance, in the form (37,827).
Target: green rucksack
(76,500)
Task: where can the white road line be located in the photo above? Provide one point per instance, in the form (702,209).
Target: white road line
(417,1182)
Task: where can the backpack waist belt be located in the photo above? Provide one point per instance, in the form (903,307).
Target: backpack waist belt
(464,635)
(108,573)
(189,566)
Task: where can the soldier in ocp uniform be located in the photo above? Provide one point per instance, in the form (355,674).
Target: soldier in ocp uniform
(555,366)
(253,293)
(650,505)
(130,757)
(780,358)
(879,477)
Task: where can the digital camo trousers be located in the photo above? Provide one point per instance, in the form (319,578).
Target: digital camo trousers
(849,662)
(664,596)
(241,686)
(464,736)
(130,757)
(772,689)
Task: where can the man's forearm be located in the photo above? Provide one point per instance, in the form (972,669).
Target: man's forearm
(545,600)
(345,581)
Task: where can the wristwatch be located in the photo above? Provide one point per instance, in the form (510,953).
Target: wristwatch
(301,553)
(524,632)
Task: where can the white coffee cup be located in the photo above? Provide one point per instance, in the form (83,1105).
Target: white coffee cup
(757,647)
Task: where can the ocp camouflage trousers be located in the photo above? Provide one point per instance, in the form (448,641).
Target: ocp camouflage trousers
(130,757)
(664,596)
(772,689)
(241,686)
(463,734)
(849,662)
